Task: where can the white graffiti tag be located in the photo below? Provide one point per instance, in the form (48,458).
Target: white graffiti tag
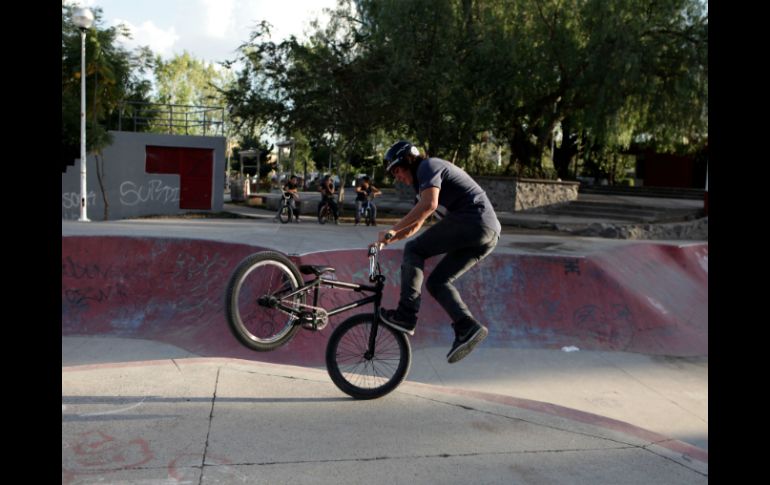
(131,194)
(71,200)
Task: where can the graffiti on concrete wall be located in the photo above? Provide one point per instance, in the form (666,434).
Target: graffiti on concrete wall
(132,194)
(199,278)
(71,200)
(70,203)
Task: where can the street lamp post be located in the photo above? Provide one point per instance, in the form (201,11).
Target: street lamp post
(83,18)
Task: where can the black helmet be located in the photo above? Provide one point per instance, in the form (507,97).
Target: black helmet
(397,153)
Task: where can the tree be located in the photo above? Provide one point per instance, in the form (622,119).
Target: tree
(631,68)
(446,73)
(188,84)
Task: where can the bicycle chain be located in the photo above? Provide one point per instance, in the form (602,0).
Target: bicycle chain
(321,316)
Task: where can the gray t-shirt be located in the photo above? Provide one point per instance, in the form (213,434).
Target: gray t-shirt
(460,198)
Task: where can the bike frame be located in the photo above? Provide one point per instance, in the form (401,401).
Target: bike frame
(285,197)
(314,285)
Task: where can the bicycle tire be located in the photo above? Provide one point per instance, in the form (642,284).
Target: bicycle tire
(324,214)
(285,214)
(363,378)
(255,326)
(368,216)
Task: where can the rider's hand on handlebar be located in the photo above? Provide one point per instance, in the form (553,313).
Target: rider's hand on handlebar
(385,237)
(381,242)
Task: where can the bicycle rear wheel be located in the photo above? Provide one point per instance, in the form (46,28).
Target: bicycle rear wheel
(364,376)
(263,275)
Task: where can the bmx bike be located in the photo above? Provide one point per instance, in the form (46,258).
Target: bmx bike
(284,209)
(266,304)
(367,211)
(325,212)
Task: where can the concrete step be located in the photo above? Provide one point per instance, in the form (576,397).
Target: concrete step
(665,192)
(610,207)
(603,214)
(622,211)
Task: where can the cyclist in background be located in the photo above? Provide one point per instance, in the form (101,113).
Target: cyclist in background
(366,191)
(327,195)
(291,189)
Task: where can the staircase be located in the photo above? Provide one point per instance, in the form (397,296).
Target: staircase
(664,192)
(632,209)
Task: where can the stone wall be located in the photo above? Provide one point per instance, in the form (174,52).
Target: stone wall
(512,194)
(540,193)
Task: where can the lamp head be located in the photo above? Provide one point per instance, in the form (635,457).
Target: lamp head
(83,18)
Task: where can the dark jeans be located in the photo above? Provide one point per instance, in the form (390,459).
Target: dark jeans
(360,204)
(464,245)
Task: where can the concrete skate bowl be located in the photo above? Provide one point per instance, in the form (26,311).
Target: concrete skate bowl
(646,298)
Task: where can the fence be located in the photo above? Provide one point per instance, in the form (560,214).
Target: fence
(172,119)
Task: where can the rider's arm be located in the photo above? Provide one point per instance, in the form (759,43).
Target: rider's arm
(413,221)
(375,190)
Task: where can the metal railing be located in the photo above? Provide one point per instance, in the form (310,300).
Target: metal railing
(173,119)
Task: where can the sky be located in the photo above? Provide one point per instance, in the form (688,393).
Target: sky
(210,30)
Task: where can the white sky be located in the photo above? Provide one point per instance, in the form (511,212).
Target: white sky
(210,30)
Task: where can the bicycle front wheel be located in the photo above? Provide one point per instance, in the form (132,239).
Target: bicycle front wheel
(285,214)
(324,214)
(359,373)
(257,279)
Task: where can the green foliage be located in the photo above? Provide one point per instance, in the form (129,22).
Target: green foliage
(186,80)
(184,85)
(445,73)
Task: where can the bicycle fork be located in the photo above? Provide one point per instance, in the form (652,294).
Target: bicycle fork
(369,354)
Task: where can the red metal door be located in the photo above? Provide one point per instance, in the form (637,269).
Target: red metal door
(195,167)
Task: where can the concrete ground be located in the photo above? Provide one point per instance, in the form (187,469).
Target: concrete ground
(180,419)
(138,411)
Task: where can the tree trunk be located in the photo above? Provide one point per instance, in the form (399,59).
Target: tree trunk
(100,177)
(523,154)
(564,155)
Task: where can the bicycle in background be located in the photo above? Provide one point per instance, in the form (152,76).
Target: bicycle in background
(285,210)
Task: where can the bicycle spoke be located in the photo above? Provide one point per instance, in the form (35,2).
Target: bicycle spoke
(260,322)
(365,373)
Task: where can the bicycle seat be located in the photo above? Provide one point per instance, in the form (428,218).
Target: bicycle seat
(316,270)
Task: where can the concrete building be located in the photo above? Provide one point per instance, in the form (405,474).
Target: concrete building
(142,174)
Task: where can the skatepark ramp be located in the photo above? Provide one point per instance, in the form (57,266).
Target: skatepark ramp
(646,297)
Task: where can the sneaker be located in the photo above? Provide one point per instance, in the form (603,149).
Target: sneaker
(466,341)
(394,319)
